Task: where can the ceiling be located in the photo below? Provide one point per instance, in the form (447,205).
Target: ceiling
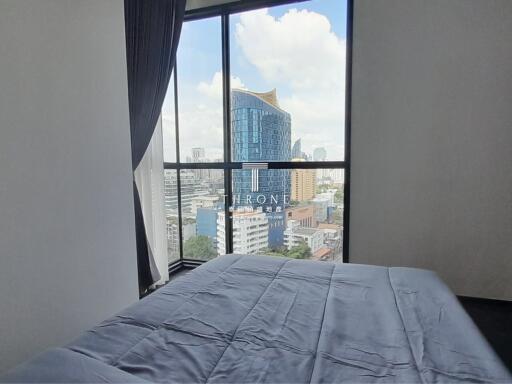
(196,4)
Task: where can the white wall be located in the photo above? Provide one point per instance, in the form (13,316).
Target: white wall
(67,247)
(432,140)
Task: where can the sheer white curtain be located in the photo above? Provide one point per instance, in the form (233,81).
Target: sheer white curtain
(149,177)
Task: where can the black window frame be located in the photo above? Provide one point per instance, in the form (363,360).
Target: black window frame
(224,11)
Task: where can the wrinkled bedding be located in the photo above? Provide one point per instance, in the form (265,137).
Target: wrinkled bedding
(261,319)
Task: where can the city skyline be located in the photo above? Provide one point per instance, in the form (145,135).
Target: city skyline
(309,227)
(200,221)
(274,211)
(287,105)
(309,75)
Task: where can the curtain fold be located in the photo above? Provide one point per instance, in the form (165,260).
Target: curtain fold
(149,178)
(152,29)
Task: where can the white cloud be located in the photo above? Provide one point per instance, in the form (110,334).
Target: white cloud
(301,52)
(200,118)
(298,52)
(213,88)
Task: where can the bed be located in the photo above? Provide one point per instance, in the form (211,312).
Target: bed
(255,319)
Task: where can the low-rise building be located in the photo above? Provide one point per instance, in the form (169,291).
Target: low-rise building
(294,234)
(304,214)
(323,254)
(206,223)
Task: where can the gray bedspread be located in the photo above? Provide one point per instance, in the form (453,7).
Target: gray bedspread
(255,319)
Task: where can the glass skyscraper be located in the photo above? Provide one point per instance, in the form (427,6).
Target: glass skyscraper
(297,150)
(261,131)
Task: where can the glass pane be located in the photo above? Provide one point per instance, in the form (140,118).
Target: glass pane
(202,198)
(171,214)
(168,125)
(288,82)
(296,213)
(199,69)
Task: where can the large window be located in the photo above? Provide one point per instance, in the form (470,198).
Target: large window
(254,129)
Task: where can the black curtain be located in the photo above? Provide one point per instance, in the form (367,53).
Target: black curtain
(152,33)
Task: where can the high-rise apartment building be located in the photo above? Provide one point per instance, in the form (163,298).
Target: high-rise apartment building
(303,184)
(334,176)
(198,155)
(261,132)
(173,239)
(173,236)
(250,232)
(297,149)
(206,201)
(190,189)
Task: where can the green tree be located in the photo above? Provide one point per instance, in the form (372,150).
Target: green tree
(281,251)
(337,216)
(199,247)
(338,197)
(300,251)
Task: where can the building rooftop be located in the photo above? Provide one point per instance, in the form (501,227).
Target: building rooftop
(300,207)
(268,97)
(320,253)
(244,214)
(329,226)
(304,231)
(210,198)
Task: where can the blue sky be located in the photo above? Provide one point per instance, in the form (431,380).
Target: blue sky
(252,55)
(335,10)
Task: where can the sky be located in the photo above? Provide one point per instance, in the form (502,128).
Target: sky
(299,49)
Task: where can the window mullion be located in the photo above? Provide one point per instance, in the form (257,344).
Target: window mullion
(178,171)
(227,132)
(348,130)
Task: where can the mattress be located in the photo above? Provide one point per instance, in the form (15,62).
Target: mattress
(262,319)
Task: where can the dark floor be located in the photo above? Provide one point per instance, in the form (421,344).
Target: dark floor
(172,276)
(494,318)
(181,272)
